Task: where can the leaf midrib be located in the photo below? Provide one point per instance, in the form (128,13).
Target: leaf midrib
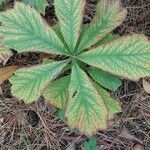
(83,91)
(33,34)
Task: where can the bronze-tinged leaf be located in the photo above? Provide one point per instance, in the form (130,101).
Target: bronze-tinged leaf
(127,56)
(109,15)
(70,15)
(86,109)
(23,29)
(57,92)
(29,83)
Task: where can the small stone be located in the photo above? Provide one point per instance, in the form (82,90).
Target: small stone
(33,118)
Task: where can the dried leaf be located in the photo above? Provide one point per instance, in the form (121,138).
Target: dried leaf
(138,147)
(126,134)
(5,54)
(146,86)
(6,72)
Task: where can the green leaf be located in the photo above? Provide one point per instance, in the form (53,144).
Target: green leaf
(61,114)
(48,61)
(57,92)
(109,15)
(91,144)
(37,4)
(23,29)
(70,14)
(107,39)
(85,108)
(82,32)
(128,56)
(112,105)
(29,83)
(105,79)
(57,30)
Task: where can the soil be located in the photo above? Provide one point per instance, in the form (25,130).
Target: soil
(36,127)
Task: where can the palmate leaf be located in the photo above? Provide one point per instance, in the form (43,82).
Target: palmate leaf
(128,56)
(23,29)
(107,39)
(29,83)
(57,30)
(70,14)
(38,4)
(105,79)
(109,15)
(57,92)
(112,105)
(85,108)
